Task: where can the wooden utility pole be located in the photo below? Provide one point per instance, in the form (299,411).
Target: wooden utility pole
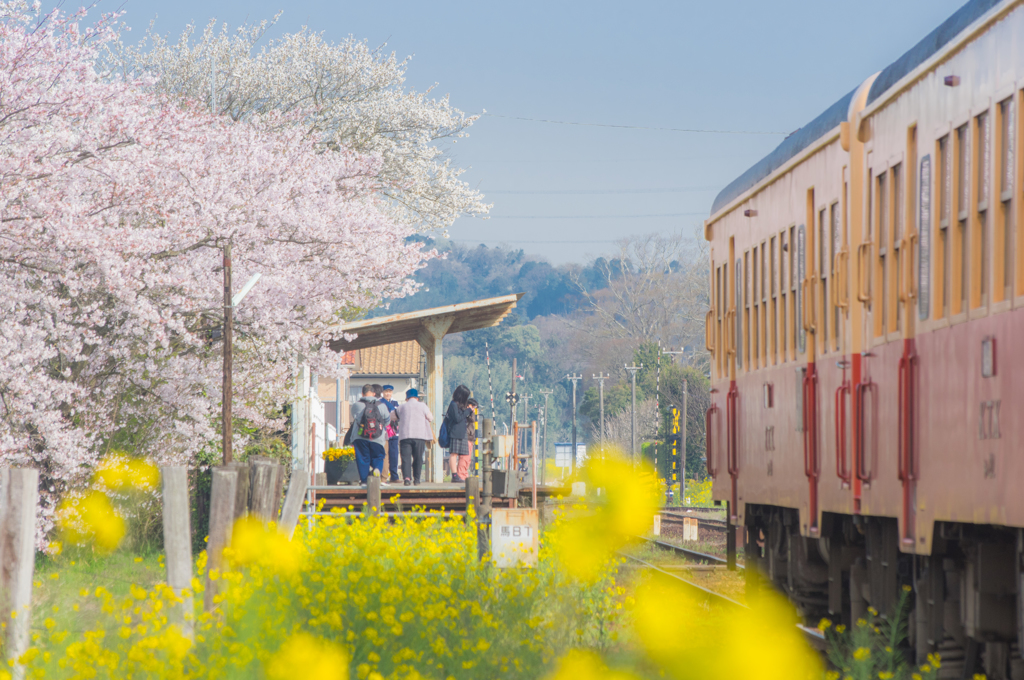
(226,432)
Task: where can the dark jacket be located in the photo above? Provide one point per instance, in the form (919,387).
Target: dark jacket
(457,420)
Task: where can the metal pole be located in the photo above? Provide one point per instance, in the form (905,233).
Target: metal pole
(572,458)
(533,432)
(487,490)
(632,375)
(338,436)
(226,433)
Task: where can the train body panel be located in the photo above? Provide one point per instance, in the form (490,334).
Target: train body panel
(867,287)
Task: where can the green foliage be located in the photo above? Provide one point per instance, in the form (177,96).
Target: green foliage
(874,647)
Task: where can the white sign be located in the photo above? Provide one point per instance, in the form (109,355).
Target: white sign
(657,525)
(514,537)
(563,454)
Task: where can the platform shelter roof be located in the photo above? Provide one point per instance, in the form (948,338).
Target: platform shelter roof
(386,330)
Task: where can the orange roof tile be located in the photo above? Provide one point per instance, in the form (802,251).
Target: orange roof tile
(398,359)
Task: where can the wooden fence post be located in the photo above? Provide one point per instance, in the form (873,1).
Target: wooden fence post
(373,493)
(263,482)
(223,494)
(178,539)
(20,493)
(242,489)
(293,502)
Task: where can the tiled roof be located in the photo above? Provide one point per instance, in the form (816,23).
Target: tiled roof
(400,358)
(348,358)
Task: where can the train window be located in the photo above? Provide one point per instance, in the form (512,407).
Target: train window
(958,254)
(717,309)
(882,231)
(746,310)
(1003,246)
(924,231)
(739,313)
(774,313)
(942,245)
(793,287)
(784,306)
(833,250)
(895,272)
(819,301)
(980,239)
(764,304)
(755,328)
(800,275)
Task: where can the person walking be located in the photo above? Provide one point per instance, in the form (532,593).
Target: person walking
(370,419)
(393,438)
(414,433)
(457,420)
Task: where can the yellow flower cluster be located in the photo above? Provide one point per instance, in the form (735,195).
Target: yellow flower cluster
(90,518)
(336,453)
(377,598)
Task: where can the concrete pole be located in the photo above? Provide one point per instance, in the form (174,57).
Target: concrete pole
(600,378)
(373,501)
(544,449)
(178,539)
(632,436)
(572,458)
(292,503)
(19,494)
(223,492)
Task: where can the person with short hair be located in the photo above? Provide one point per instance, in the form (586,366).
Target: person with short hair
(369,433)
(457,420)
(386,392)
(414,433)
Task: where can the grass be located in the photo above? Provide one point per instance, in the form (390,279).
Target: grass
(732,584)
(59,582)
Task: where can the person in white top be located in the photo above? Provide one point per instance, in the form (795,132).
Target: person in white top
(414,432)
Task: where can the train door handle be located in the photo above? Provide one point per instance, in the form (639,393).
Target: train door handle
(842,464)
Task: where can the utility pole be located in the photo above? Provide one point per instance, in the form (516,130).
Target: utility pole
(225,412)
(600,378)
(681,351)
(572,460)
(544,450)
(526,414)
(632,375)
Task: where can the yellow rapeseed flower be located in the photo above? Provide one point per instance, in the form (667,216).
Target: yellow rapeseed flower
(305,656)
(862,653)
(91,519)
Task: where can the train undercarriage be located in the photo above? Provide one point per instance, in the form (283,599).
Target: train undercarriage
(964,600)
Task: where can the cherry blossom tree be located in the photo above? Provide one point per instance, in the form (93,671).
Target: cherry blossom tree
(351,97)
(116,201)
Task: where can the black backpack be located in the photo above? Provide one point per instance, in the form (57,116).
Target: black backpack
(370,424)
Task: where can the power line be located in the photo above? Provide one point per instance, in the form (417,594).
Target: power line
(635,127)
(669,190)
(592,217)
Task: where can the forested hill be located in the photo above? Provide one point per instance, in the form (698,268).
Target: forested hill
(467,272)
(582,319)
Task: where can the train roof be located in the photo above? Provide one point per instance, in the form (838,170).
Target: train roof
(837,113)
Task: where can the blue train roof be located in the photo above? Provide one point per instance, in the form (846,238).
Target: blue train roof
(835,114)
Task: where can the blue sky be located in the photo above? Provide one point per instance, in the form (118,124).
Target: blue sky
(567,192)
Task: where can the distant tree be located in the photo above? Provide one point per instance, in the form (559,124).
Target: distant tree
(342,96)
(655,289)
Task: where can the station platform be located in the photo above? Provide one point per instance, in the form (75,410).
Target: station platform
(427,496)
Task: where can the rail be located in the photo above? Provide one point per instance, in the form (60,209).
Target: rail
(812,636)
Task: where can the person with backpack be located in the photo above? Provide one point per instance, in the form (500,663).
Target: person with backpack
(456,422)
(370,419)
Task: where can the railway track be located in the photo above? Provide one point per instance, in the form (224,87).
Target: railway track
(813,636)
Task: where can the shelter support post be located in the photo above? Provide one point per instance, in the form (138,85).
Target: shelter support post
(430,338)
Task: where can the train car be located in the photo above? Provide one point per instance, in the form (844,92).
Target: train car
(867,284)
